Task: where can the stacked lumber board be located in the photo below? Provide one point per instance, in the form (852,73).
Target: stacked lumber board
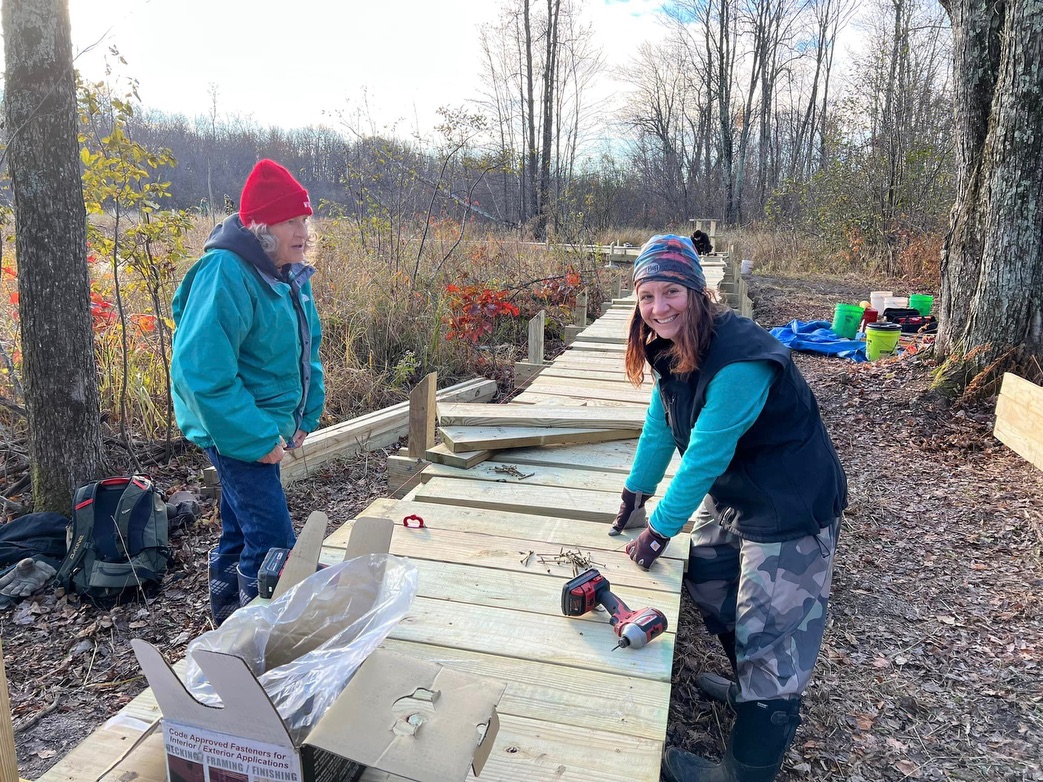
(378,429)
(470,427)
(1019,418)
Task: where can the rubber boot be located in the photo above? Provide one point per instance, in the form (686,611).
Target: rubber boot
(247,588)
(224,589)
(721,688)
(763,732)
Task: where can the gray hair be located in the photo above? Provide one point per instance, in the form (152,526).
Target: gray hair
(269,243)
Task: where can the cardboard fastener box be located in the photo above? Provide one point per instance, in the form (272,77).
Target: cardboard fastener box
(406,717)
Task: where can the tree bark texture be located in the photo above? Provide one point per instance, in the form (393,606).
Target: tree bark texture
(992,261)
(60,374)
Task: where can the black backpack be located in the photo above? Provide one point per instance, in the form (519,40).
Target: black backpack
(117,540)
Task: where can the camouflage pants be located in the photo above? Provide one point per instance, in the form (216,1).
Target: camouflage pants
(773,595)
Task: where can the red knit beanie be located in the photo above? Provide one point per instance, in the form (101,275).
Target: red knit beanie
(271,195)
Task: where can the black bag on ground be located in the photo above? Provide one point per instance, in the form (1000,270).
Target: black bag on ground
(117,540)
(37,535)
(910,320)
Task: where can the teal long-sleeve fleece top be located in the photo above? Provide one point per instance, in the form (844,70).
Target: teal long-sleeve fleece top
(734,399)
(237,372)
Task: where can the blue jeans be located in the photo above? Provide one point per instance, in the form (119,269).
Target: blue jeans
(254,516)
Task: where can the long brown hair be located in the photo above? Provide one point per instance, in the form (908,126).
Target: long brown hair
(687,348)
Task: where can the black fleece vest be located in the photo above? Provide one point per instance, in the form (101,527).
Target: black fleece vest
(785,480)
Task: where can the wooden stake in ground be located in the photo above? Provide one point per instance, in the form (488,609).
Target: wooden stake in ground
(8,755)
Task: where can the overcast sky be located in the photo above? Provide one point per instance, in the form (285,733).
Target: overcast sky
(296,63)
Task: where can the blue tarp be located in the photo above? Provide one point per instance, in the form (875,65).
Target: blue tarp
(817,336)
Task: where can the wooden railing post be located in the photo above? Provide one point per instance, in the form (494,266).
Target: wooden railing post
(536,326)
(580,315)
(422,416)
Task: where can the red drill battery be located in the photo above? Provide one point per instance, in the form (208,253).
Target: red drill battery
(270,571)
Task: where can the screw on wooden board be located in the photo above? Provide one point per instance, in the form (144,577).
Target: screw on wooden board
(514,472)
(577,559)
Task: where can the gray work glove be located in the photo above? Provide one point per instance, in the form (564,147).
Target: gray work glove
(25,578)
(631,511)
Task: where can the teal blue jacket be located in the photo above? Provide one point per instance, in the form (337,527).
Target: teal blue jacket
(245,368)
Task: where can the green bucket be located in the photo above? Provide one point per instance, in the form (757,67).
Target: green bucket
(846,318)
(922,303)
(881,339)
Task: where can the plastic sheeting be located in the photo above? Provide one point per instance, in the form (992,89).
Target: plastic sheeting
(305,646)
(817,336)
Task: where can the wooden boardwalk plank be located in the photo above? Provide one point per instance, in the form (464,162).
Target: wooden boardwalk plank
(571,503)
(517,529)
(528,590)
(474,438)
(552,416)
(539,751)
(533,475)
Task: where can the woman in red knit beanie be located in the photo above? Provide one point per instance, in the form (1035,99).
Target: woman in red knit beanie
(246,374)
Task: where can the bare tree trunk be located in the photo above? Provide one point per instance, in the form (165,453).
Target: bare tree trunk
(530,103)
(992,262)
(61,386)
(550,68)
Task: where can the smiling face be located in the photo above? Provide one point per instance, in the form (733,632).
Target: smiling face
(662,306)
(292,236)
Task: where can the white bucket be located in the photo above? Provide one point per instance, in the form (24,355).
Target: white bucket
(876,299)
(746,267)
(895,302)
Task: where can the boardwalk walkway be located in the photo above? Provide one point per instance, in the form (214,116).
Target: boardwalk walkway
(499,543)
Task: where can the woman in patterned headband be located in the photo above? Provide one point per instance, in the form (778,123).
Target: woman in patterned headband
(763,485)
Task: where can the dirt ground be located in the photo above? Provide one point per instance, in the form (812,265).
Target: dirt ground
(931,668)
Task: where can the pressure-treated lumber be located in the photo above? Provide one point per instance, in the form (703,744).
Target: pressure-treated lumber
(536,329)
(474,438)
(598,347)
(1019,418)
(614,376)
(530,475)
(536,398)
(556,694)
(373,430)
(517,529)
(8,754)
(446,563)
(590,390)
(555,417)
(404,473)
(441,454)
(422,415)
(586,504)
(615,457)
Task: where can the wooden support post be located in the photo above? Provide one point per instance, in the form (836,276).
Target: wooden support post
(525,371)
(422,416)
(8,754)
(536,326)
(404,473)
(617,283)
(571,332)
(579,317)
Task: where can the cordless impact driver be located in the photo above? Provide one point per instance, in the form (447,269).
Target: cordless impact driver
(590,589)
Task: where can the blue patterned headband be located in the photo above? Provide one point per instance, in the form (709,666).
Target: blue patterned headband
(669,258)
